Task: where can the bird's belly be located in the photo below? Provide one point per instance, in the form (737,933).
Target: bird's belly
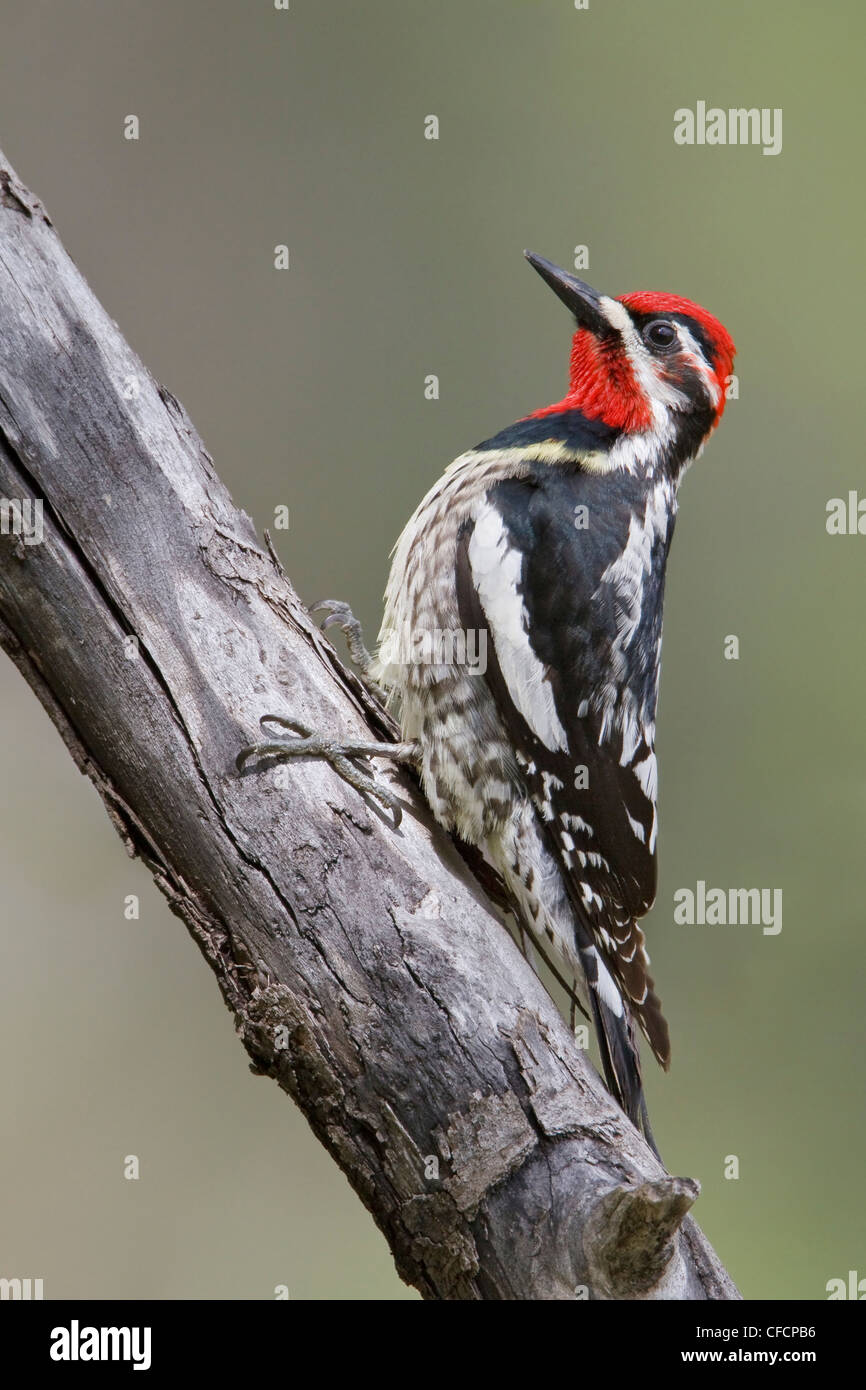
(468,770)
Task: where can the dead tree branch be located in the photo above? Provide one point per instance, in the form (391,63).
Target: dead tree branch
(366,970)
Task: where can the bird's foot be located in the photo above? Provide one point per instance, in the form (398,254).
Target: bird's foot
(301,742)
(339,614)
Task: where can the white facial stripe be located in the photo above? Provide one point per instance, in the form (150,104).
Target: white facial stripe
(696,359)
(616,314)
(662,396)
(496,571)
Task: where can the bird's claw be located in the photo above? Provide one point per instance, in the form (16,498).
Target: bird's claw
(339,614)
(305,743)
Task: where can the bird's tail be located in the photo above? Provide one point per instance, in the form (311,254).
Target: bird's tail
(621,1061)
(555,922)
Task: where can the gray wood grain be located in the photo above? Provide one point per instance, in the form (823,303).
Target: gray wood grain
(366,969)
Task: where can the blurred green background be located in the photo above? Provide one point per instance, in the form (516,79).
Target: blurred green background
(306,127)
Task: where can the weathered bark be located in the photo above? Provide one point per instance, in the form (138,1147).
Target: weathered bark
(365,968)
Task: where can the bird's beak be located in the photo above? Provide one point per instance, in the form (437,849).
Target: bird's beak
(583,301)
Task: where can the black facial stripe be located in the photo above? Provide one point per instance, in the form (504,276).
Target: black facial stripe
(696,329)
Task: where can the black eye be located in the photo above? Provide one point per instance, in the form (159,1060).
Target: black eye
(660,334)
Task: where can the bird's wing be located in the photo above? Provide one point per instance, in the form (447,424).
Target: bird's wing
(572,665)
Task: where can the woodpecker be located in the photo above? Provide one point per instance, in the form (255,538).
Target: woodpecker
(550,539)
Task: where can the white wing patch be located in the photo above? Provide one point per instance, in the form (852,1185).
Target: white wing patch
(496,570)
(646,773)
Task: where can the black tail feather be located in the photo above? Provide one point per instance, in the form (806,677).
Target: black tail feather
(621,1061)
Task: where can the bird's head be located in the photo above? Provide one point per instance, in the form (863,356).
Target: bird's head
(645,363)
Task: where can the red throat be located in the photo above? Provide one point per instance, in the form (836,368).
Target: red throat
(602,385)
